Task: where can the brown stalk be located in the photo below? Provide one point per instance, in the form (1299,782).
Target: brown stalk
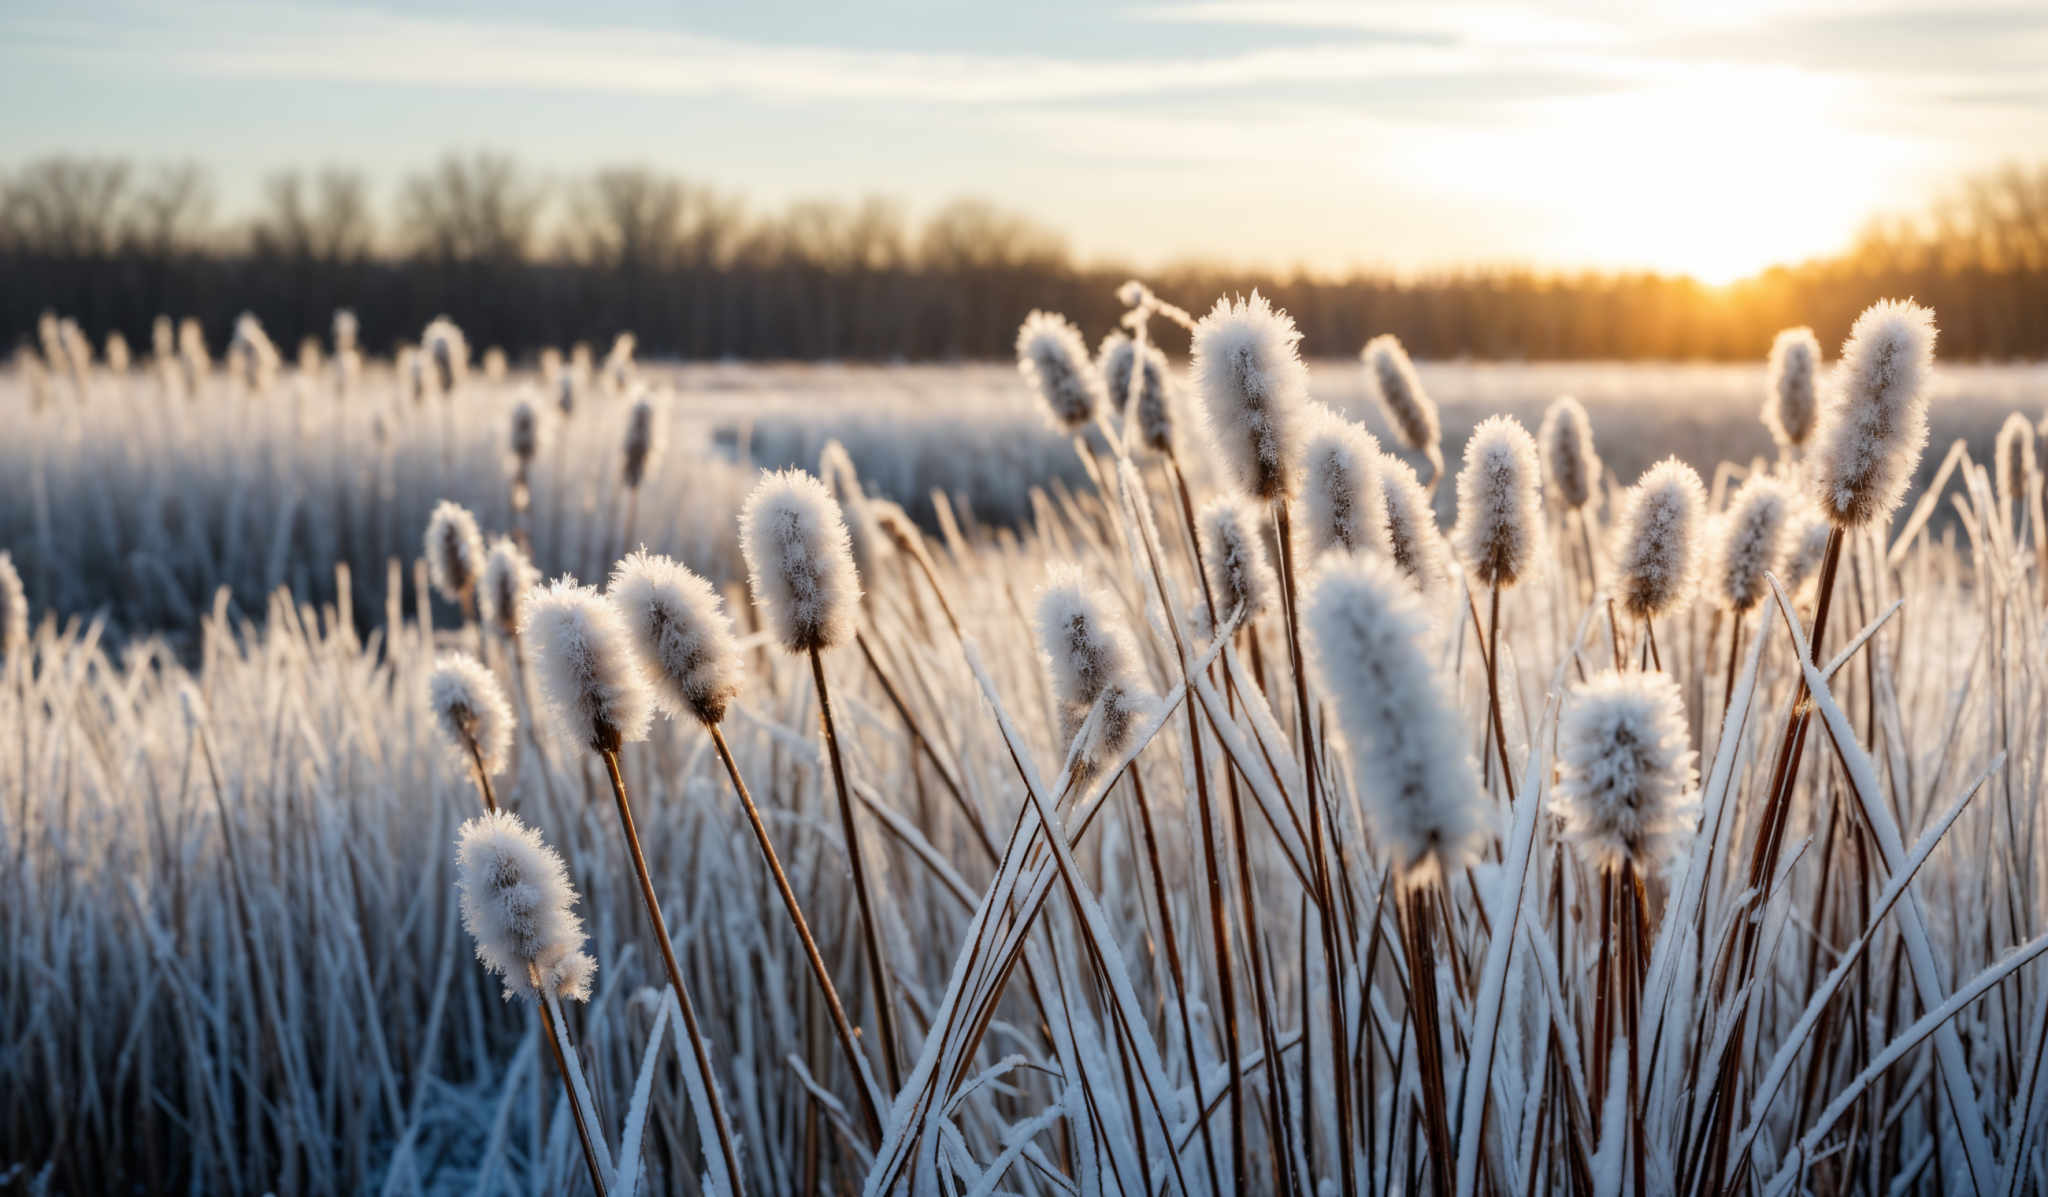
(547,1022)
(1418,933)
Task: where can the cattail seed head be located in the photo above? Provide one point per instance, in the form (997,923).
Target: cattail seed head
(1054,360)
(1234,557)
(251,356)
(1570,465)
(1413,538)
(2015,458)
(501,593)
(1751,541)
(525,440)
(1410,410)
(1791,397)
(1626,782)
(1088,657)
(1873,427)
(681,635)
(1416,779)
(1254,386)
(870,544)
(455,550)
(1499,502)
(1808,546)
(799,561)
(583,653)
(1343,506)
(344,331)
(618,363)
(472,711)
(1658,539)
(518,904)
(446,353)
(642,441)
(1150,410)
(13,610)
(117,352)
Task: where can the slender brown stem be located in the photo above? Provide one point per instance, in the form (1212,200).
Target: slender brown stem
(483,776)
(1650,634)
(1500,734)
(1734,649)
(675,975)
(547,1022)
(1422,1006)
(848,1043)
(885,1002)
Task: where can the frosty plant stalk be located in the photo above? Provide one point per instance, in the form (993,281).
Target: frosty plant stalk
(1499,523)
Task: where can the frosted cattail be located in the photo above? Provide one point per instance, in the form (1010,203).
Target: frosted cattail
(447,354)
(1234,558)
(1413,538)
(251,356)
(1410,410)
(1751,541)
(870,545)
(1253,386)
(565,392)
(896,524)
(455,551)
(1808,546)
(2015,458)
(1626,781)
(472,711)
(618,363)
(1873,427)
(580,647)
(642,441)
(117,352)
(681,636)
(517,902)
(13,610)
(1150,410)
(1499,502)
(1658,539)
(495,365)
(525,439)
(1570,465)
(163,339)
(1054,360)
(507,578)
(1791,397)
(1342,504)
(1415,776)
(310,358)
(1089,657)
(344,331)
(799,561)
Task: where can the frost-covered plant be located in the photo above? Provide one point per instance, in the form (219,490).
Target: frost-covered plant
(1874,425)
(13,610)
(681,636)
(345,330)
(1254,387)
(251,356)
(618,363)
(1234,558)
(2014,459)
(1410,411)
(1413,537)
(1791,395)
(507,578)
(454,551)
(473,714)
(642,440)
(1570,465)
(1806,547)
(1658,539)
(1089,659)
(1150,410)
(1054,360)
(1751,541)
(1625,769)
(446,353)
(524,441)
(870,544)
(583,654)
(1499,502)
(1343,506)
(519,905)
(799,561)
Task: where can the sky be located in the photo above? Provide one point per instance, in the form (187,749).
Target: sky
(1710,138)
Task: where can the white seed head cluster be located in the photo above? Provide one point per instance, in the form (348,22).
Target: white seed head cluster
(1410,410)
(454,549)
(471,709)
(1254,387)
(1658,539)
(1792,395)
(251,356)
(508,575)
(1150,410)
(1054,360)
(2015,458)
(579,647)
(1413,538)
(681,635)
(525,440)
(1089,657)
(1751,541)
(799,561)
(1500,502)
(1570,465)
(1414,772)
(446,354)
(1343,507)
(1234,557)
(1874,425)
(13,610)
(517,903)
(345,330)
(642,440)
(1626,784)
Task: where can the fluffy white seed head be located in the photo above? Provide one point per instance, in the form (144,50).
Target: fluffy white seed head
(1054,360)
(1751,541)
(1368,633)
(1413,538)
(1626,779)
(1570,465)
(1792,393)
(618,363)
(1500,502)
(525,439)
(1410,410)
(517,902)
(251,356)
(2015,454)
(1150,411)
(117,352)
(13,610)
(507,578)
(445,353)
(799,561)
(681,635)
(642,440)
(1253,384)
(1808,546)
(1088,656)
(583,655)
(472,711)
(344,331)
(1342,505)
(455,550)
(1658,539)
(1234,557)
(1874,425)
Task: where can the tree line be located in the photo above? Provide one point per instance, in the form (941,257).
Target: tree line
(522,262)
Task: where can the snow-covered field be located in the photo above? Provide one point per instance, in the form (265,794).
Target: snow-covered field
(234,959)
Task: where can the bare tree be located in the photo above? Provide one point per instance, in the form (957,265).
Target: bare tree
(973,234)
(67,207)
(475,208)
(324,217)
